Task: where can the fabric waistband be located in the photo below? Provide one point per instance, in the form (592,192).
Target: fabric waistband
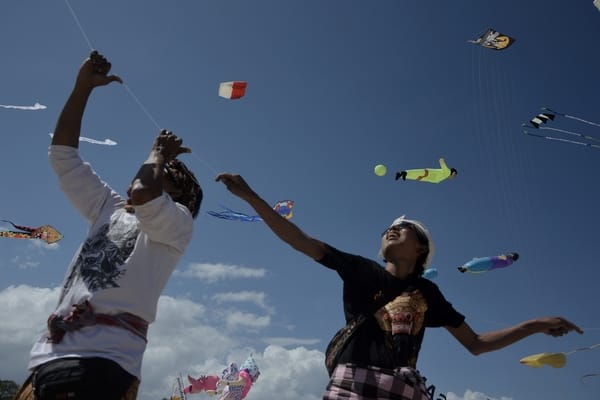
(83,314)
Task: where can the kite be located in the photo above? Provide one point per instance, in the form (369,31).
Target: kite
(432,175)
(492,39)
(597,4)
(555,360)
(36,106)
(233,384)
(46,233)
(106,142)
(430,273)
(380,170)
(232,90)
(483,264)
(283,208)
(231,215)
(597,373)
(178,392)
(540,122)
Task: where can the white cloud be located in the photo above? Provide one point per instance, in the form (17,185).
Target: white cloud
(472,395)
(182,340)
(218,272)
(290,341)
(240,320)
(257,298)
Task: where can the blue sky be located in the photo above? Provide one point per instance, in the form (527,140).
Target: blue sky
(334,88)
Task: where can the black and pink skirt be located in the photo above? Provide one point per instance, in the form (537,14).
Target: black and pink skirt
(350,382)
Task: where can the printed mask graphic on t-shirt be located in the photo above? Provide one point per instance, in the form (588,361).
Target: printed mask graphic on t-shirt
(403,318)
(102,254)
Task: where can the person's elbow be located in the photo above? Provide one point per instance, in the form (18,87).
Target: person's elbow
(140,194)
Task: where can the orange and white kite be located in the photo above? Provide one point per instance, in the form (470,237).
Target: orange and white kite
(232,90)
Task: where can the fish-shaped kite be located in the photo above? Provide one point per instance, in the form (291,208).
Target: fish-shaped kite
(46,233)
(483,264)
(232,90)
(555,360)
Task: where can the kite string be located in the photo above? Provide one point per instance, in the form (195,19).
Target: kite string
(127,88)
(139,103)
(79,25)
(91,47)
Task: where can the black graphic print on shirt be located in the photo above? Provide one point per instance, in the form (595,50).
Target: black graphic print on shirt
(101,256)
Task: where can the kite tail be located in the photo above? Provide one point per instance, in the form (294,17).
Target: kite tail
(570,133)
(16,235)
(592,347)
(572,117)
(582,120)
(561,139)
(23,228)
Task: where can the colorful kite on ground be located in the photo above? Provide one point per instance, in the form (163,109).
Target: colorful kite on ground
(283,208)
(492,39)
(483,264)
(105,142)
(46,233)
(432,175)
(540,121)
(232,90)
(555,360)
(233,384)
(36,106)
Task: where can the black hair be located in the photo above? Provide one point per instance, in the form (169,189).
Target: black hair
(184,179)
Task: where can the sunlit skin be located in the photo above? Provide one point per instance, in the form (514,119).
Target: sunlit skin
(400,248)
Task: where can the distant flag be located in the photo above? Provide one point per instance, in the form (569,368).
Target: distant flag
(36,106)
(232,90)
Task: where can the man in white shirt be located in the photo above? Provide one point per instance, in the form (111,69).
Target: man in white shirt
(96,337)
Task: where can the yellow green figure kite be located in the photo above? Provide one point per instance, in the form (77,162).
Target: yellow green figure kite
(431,175)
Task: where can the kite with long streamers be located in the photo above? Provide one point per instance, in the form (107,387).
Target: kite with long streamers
(492,39)
(46,233)
(231,215)
(431,175)
(105,142)
(283,208)
(35,107)
(555,360)
(483,264)
(233,384)
(541,121)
